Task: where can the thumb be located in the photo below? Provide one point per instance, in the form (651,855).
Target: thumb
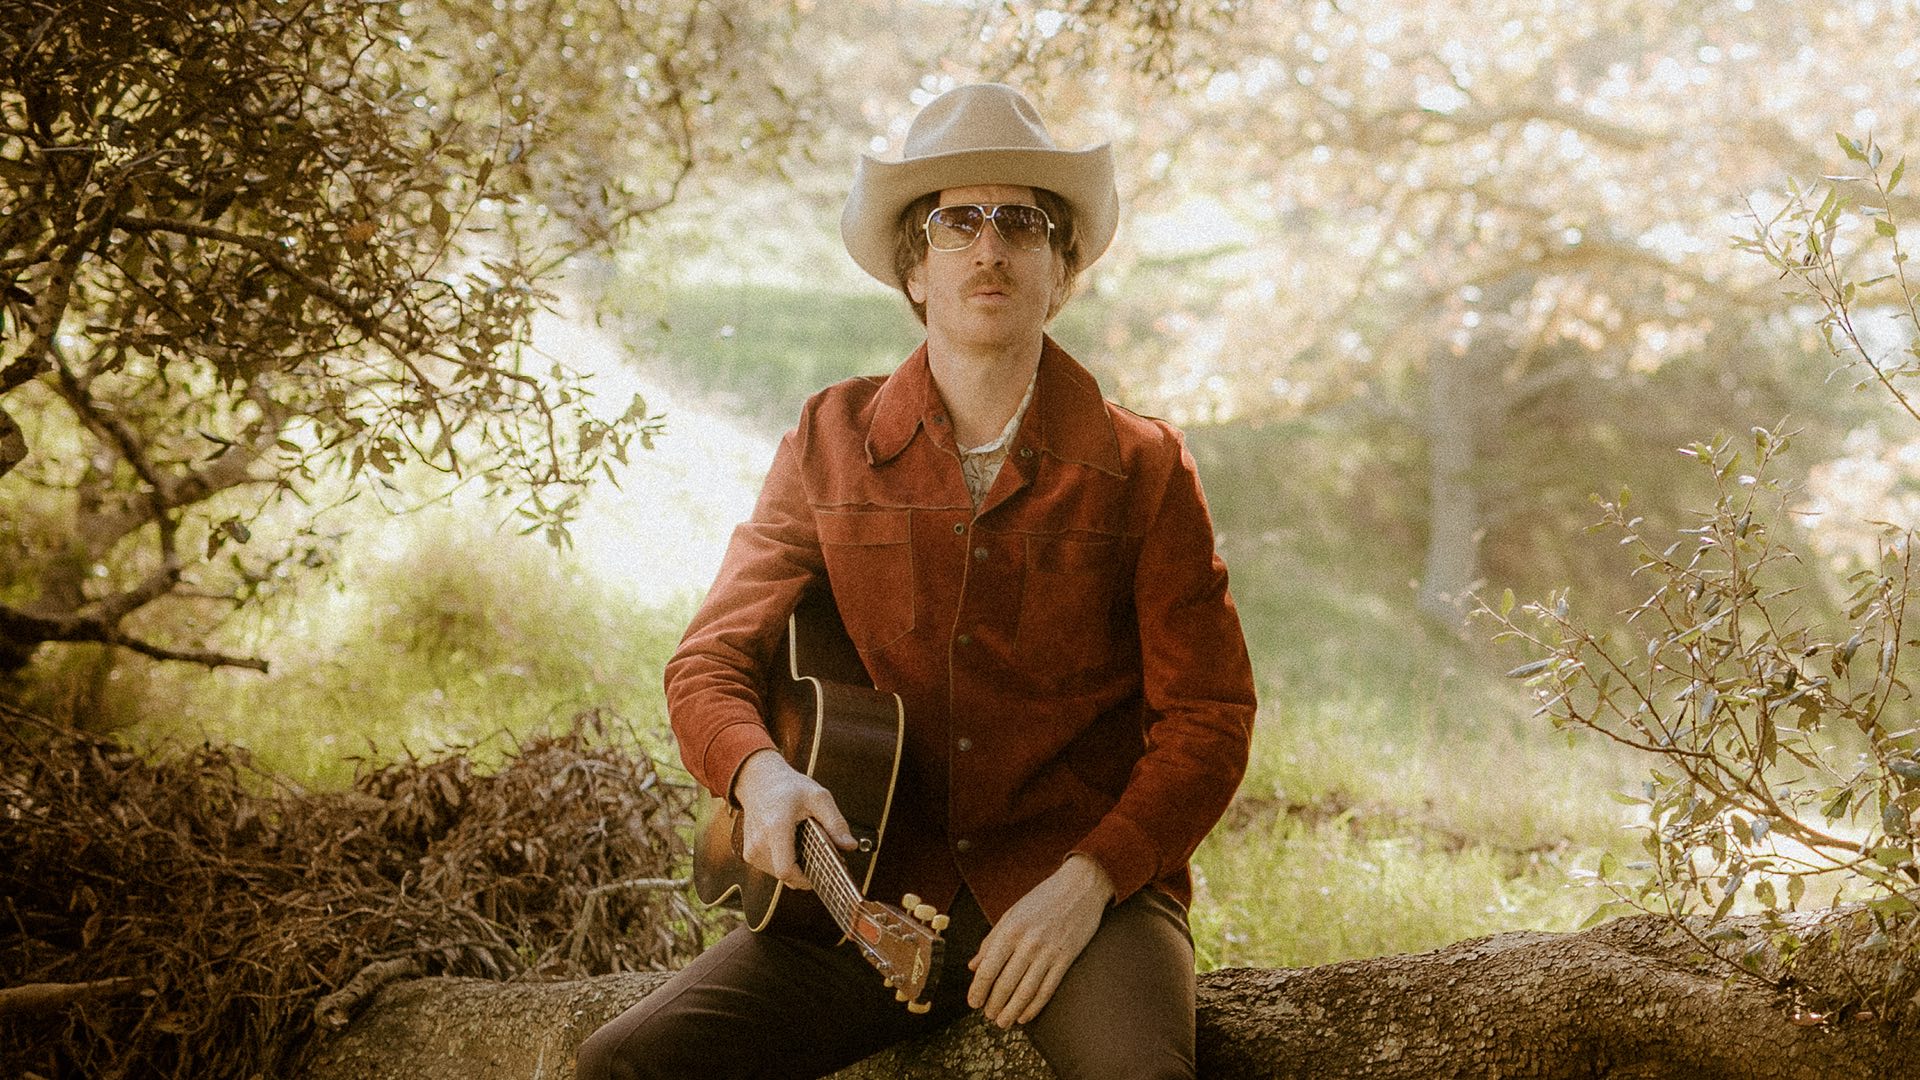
(827,813)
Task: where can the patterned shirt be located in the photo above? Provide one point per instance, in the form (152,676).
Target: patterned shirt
(981,464)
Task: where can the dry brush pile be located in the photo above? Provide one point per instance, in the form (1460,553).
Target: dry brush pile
(185,915)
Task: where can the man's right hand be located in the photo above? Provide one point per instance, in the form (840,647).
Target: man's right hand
(774,799)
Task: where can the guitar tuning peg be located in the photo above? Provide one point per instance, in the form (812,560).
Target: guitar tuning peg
(918,1007)
(910,901)
(924,912)
(939,923)
(900,995)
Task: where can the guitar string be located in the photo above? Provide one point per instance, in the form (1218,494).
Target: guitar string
(830,878)
(832,881)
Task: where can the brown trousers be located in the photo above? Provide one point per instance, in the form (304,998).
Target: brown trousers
(762,1006)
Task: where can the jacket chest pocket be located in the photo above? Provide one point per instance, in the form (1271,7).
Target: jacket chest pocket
(1067,604)
(869,557)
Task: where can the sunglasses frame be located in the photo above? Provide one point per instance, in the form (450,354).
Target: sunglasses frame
(989,211)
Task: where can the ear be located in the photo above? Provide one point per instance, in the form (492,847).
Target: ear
(917,283)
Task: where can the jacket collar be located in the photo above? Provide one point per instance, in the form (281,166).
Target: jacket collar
(1067,421)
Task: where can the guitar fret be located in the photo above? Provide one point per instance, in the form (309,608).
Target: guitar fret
(823,865)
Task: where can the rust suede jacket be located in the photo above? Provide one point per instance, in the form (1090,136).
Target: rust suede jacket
(1072,666)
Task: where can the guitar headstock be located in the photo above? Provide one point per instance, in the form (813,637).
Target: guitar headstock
(904,944)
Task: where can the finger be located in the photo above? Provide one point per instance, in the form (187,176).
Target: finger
(1008,981)
(791,872)
(822,808)
(1022,997)
(775,859)
(986,965)
(1055,974)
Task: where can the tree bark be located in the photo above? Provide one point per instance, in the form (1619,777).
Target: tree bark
(1456,388)
(1624,1001)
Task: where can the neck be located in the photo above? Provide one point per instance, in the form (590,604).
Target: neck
(982,386)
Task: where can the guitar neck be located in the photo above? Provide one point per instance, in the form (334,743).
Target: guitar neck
(827,871)
(903,945)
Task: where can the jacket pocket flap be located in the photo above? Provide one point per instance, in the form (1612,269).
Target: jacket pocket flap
(862,527)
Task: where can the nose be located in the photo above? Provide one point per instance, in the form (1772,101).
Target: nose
(989,249)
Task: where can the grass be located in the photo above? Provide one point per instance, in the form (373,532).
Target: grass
(445,635)
(1361,830)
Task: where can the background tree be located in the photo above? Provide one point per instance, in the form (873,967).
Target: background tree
(255,258)
(1464,260)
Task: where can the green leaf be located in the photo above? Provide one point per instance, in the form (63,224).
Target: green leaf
(1884,227)
(1506,603)
(1891,856)
(1534,668)
(1836,807)
(442,221)
(1899,170)
(1606,911)
(1726,902)
(1852,148)
(1796,888)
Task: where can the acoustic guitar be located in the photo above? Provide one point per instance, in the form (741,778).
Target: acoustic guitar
(829,722)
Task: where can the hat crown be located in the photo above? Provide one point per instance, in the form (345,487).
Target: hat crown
(982,116)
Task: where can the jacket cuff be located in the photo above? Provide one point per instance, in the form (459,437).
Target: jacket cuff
(728,750)
(1124,851)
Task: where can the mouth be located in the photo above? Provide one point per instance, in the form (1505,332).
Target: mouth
(989,287)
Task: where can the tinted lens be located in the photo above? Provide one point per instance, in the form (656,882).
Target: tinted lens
(1022,226)
(951,228)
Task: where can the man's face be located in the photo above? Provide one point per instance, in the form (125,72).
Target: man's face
(989,293)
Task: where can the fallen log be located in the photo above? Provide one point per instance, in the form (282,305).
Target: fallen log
(1627,1000)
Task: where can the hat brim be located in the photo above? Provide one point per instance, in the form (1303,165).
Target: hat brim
(883,189)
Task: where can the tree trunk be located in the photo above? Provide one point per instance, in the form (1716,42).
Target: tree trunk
(1457,389)
(1625,1001)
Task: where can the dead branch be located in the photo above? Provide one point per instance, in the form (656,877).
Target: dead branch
(334,1010)
(46,997)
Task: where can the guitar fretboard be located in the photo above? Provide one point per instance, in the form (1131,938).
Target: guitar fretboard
(828,872)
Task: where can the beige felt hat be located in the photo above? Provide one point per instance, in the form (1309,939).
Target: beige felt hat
(986,133)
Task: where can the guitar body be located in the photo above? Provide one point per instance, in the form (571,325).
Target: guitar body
(830,723)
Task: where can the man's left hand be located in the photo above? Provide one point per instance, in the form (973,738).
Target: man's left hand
(1029,950)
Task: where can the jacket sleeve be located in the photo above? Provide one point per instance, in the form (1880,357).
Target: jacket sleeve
(717,679)
(1197,684)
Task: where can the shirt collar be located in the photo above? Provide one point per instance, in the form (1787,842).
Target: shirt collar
(1068,420)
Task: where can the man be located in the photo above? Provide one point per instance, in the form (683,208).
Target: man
(1032,570)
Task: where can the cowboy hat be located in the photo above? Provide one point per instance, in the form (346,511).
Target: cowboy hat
(986,133)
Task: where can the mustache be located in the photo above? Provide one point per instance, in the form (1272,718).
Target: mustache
(988,277)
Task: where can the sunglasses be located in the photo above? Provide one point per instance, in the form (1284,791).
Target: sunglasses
(956,227)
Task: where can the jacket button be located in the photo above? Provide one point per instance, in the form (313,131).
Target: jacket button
(979,554)
(959,527)
(964,639)
(1026,451)
(963,743)
(963,845)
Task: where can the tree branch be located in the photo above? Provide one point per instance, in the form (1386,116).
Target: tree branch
(25,627)
(273,255)
(45,997)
